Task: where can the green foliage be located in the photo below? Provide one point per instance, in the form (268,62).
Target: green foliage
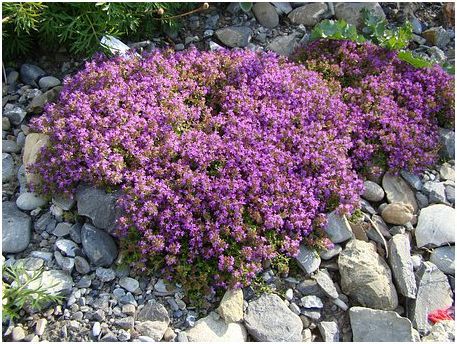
(17,291)
(375,30)
(79,26)
(246,6)
(356,217)
(339,29)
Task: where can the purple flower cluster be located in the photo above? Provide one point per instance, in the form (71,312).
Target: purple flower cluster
(394,108)
(215,151)
(211,150)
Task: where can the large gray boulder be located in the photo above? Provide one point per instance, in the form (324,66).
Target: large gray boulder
(16,228)
(234,36)
(444,258)
(338,228)
(309,14)
(351,12)
(371,325)
(433,292)
(214,329)
(265,14)
(398,191)
(98,205)
(366,277)
(268,319)
(98,245)
(31,73)
(436,226)
(402,265)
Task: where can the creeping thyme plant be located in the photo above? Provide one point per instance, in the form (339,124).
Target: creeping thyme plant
(227,159)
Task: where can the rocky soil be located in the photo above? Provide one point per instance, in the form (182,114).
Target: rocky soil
(389,268)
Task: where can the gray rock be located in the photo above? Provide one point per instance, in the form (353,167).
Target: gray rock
(17,334)
(48,82)
(412,179)
(128,283)
(214,46)
(370,325)
(98,205)
(436,192)
(443,331)
(154,319)
(30,201)
(422,200)
(366,277)
(436,226)
(6,125)
(398,191)
(84,282)
(67,246)
(234,36)
(105,275)
(62,229)
(96,329)
(268,319)
(37,104)
(402,265)
(444,258)
(433,292)
(9,146)
(351,12)
(125,323)
(54,282)
(63,201)
(20,140)
(14,113)
(30,263)
(325,282)
(40,326)
(329,331)
(447,140)
(75,233)
(373,192)
(30,74)
(437,36)
(311,301)
(329,254)
(308,259)
(265,14)
(284,45)
(309,14)
(214,329)
(338,228)
(447,172)
(308,287)
(397,213)
(8,170)
(16,229)
(67,264)
(98,245)
(282,7)
(46,256)
(22,180)
(417,26)
(81,265)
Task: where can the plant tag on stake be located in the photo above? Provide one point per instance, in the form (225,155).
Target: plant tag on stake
(114,45)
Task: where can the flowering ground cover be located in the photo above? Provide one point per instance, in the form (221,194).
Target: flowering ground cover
(226,159)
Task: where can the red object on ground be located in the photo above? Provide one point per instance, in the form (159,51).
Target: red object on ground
(441,314)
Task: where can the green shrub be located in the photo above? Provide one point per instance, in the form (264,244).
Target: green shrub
(375,30)
(18,291)
(79,26)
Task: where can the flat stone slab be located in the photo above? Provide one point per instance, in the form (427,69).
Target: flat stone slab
(436,226)
(371,325)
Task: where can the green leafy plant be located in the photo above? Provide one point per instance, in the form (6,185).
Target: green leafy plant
(375,30)
(79,26)
(246,6)
(18,290)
